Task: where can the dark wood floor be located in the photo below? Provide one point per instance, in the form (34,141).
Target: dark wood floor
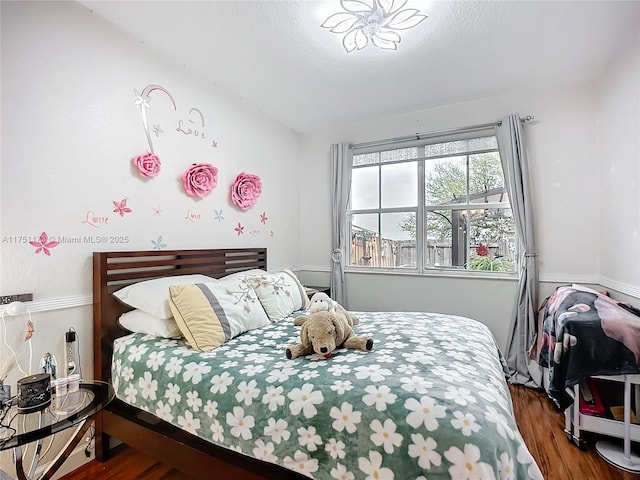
(540,424)
(542,427)
(127,464)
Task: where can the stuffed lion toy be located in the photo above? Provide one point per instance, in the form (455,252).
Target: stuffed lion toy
(322,302)
(323,332)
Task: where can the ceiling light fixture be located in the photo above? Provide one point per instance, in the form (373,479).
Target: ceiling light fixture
(375,21)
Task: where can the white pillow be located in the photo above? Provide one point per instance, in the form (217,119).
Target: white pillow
(280,293)
(138,321)
(239,291)
(210,314)
(151,296)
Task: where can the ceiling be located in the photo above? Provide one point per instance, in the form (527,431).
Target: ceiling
(275,56)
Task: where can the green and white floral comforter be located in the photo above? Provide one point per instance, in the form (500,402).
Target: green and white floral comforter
(429,402)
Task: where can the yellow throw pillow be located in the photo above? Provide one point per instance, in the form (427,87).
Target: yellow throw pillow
(210,314)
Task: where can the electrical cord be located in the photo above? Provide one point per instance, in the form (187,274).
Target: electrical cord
(79,359)
(26,448)
(77,337)
(87,450)
(4,441)
(8,426)
(5,410)
(4,338)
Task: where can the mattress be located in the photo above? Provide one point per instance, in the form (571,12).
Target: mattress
(429,401)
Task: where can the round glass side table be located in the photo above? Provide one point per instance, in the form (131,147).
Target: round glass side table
(74,409)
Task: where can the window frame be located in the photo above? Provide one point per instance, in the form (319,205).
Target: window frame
(420,210)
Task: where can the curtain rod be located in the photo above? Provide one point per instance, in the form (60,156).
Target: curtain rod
(419,136)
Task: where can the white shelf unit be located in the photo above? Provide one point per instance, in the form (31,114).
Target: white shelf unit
(576,422)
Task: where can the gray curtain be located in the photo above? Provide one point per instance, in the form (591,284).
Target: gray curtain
(341,160)
(522,331)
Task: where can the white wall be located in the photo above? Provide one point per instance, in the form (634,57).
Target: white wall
(619,167)
(69,130)
(561,143)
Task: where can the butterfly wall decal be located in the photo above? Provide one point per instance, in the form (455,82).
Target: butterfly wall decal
(158,244)
(43,244)
(121,207)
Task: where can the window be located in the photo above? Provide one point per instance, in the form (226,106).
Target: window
(432,205)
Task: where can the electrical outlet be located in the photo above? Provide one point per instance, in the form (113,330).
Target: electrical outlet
(70,359)
(22,297)
(70,352)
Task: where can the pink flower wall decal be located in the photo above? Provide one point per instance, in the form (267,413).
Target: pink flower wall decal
(44,244)
(121,207)
(148,164)
(239,229)
(263,217)
(245,190)
(200,179)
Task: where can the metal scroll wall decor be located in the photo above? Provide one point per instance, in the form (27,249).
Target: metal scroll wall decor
(143,100)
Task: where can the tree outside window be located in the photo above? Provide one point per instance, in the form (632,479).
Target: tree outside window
(465,222)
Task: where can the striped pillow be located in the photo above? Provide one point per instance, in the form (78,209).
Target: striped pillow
(210,314)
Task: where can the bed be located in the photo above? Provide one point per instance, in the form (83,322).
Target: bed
(430,400)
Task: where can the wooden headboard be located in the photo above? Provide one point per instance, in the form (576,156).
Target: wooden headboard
(196,457)
(114,270)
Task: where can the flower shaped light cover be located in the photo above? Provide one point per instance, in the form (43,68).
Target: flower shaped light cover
(372,20)
(199,179)
(245,190)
